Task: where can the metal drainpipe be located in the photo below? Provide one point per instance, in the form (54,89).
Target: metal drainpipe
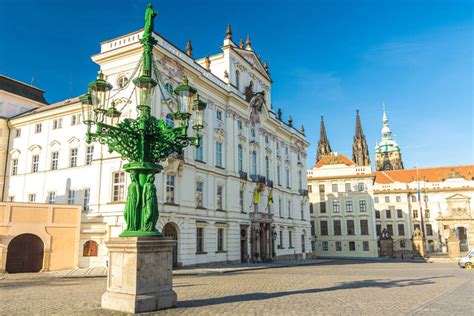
(6,164)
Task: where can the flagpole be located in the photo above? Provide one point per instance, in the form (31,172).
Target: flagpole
(421,207)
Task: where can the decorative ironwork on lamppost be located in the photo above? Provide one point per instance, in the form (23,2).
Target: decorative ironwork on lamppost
(145,141)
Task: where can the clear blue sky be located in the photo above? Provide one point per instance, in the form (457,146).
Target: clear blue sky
(325,57)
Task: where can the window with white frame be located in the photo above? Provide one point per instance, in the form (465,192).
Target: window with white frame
(17,132)
(71,196)
(288,180)
(73,157)
(325,246)
(334,187)
(14,167)
(279,174)
(35,163)
(281,240)
(75,119)
(360,186)
(239,125)
(267,167)
(362,205)
(170,187)
(348,187)
(54,160)
(220,239)
(376,199)
(387,199)
(86,196)
(254,163)
(279,207)
(38,128)
(335,206)
(220,197)
(413,198)
(242,201)
(57,123)
(89,154)
(240,157)
(199,194)
(218,115)
(218,154)
(199,239)
(349,207)
(365,246)
(51,197)
(398,198)
(118,186)
(32,197)
(290,239)
(200,150)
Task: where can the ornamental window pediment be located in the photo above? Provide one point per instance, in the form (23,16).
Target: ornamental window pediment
(74,141)
(15,153)
(242,138)
(219,134)
(34,148)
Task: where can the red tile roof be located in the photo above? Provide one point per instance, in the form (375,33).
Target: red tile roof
(427,174)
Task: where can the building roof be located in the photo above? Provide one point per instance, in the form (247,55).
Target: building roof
(22,89)
(426,174)
(49,107)
(334,159)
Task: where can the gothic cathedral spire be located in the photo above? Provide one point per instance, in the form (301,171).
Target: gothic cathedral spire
(323,145)
(360,150)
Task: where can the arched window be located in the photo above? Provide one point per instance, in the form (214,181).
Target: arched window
(169,120)
(240,159)
(169,87)
(237,79)
(90,249)
(254,163)
(267,167)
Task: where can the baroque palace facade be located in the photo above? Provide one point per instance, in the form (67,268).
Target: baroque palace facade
(240,197)
(351,205)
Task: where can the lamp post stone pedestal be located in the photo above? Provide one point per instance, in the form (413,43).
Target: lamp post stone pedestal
(139,278)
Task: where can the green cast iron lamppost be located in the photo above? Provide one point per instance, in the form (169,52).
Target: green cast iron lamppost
(145,141)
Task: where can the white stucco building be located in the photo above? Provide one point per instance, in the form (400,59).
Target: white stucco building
(206,198)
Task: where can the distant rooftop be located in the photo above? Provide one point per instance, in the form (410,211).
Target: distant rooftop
(21,89)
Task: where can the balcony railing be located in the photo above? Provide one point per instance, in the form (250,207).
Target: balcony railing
(243,175)
(303,192)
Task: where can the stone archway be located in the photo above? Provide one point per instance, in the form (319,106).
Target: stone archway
(25,254)
(169,230)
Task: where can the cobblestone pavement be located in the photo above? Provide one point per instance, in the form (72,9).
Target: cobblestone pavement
(337,288)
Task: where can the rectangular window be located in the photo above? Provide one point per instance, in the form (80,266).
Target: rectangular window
(73,158)
(170,189)
(290,239)
(18,132)
(32,197)
(242,201)
(348,187)
(280,211)
(86,196)
(38,128)
(302,211)
(239,125)
(401,230)
(51,197)
(415,213)
(322,207)
(218,154)
(321,188)
(387,199)
(352,246)
(399,213)
(413,198)
(289,209)
(35,163)
(278,175)
(388,213)
(200,150)
(58,123)
(398,199)
(349,208)
(350,227)
(335,206)
(281,239)
(378,229)
(14,167)
(364,227)
(416,226)
(220,239)
(310,188)
(89,154)
(365,246)
(427,213)
(390,229)
(376,199)
(338,246)
(429,230)
(337,228)
(220,204)
(199,194)
(362,206)
(334,187)
(75,119)
(219,115)
(377,214)
(71,195)
(324,228)
(54,160)
(199,239)
(311,210)
(325,246)
(360,186)
(288,178)
(118,186)
(313,228)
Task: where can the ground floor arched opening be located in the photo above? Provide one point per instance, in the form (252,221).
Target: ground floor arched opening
(169,230)
(25,254)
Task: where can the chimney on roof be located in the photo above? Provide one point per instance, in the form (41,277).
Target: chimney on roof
(189,49)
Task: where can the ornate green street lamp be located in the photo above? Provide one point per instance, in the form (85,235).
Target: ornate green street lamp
(145,141)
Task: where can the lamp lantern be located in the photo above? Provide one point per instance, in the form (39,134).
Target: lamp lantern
(100,90)
(113,114)
(88,115)
(185,94)
(198,113)
(144,90)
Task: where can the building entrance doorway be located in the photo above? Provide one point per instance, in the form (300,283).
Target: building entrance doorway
(25,254)
(170,231)
(243,245)
(461,233)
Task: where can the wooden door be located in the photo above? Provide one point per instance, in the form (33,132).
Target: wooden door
(25,254)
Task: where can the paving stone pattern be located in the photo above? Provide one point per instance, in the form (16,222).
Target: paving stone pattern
(336,288)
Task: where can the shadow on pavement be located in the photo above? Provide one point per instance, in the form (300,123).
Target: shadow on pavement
(375,283)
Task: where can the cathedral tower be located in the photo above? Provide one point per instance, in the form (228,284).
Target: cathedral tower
(387,152)
(323,145)
(360,151)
